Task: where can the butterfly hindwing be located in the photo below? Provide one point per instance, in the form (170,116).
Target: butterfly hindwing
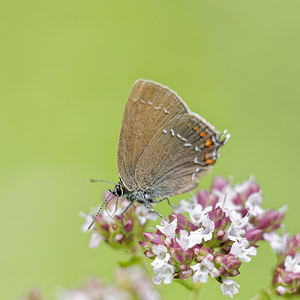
(180,152)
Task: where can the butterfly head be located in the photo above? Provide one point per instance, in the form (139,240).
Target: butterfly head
(118,191)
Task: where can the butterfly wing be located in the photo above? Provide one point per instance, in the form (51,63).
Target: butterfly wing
(180,152)
(149,106)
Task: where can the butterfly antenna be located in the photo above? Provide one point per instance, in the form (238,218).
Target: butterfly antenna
(97,214)
(97,180)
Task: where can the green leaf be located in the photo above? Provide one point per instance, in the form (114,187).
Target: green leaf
(132,261)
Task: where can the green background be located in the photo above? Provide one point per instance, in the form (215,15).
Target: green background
(66,70)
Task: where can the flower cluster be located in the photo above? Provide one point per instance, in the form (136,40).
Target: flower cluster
(129,283)
(211,235)
(287,273)
(108,225)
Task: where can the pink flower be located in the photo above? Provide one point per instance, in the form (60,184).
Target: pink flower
(129,283)
(287,273)
(219,183)
(108,226)
(230,265)
(211,235)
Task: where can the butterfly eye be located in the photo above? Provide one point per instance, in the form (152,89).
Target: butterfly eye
(118,191)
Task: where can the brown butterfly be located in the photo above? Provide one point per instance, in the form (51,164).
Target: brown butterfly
(164,148)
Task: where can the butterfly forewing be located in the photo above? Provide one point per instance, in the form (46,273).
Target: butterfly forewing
(149,106)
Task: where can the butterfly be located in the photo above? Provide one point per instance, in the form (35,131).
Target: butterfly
(164,147)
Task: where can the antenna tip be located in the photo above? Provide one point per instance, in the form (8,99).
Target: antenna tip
(94,180)
(88,230)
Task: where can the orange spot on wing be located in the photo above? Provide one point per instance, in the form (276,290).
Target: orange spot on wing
(202,134)
(208,160)
(195,128)
(208,143)
(189,126)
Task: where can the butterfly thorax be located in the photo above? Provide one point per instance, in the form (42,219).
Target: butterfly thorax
(137,195)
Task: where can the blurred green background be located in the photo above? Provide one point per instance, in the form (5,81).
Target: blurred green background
(66,70)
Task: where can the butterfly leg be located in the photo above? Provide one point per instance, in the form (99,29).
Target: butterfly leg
(122,213)
(153,210)
(107,210)
(117,200)
(160,200)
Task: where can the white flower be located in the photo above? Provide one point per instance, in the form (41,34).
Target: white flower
(253,203)
(168,229)
(203,269)
(207,227)
(109,212)
(182,207)
(143,214)
(183,239)
(140,283)
(242,187)
(240,250)
(292,264)
(161,266)
(229,287)
(160,251)
(237,219)
(226,199)
(204,232)
(197,213)
(278,243)
(74,295)
(236,229)
(95,240)
(185,206)
(164,269)
(281,290)
(113,293)
(283,209)
(195,238)
(88,218)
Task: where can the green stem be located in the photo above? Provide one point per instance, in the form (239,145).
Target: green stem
(264,294)
(196,290)
(194,294)
(193,287)
(186,284)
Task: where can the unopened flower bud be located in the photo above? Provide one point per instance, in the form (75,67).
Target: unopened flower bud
(219,183)
(254,235)
(230,263)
